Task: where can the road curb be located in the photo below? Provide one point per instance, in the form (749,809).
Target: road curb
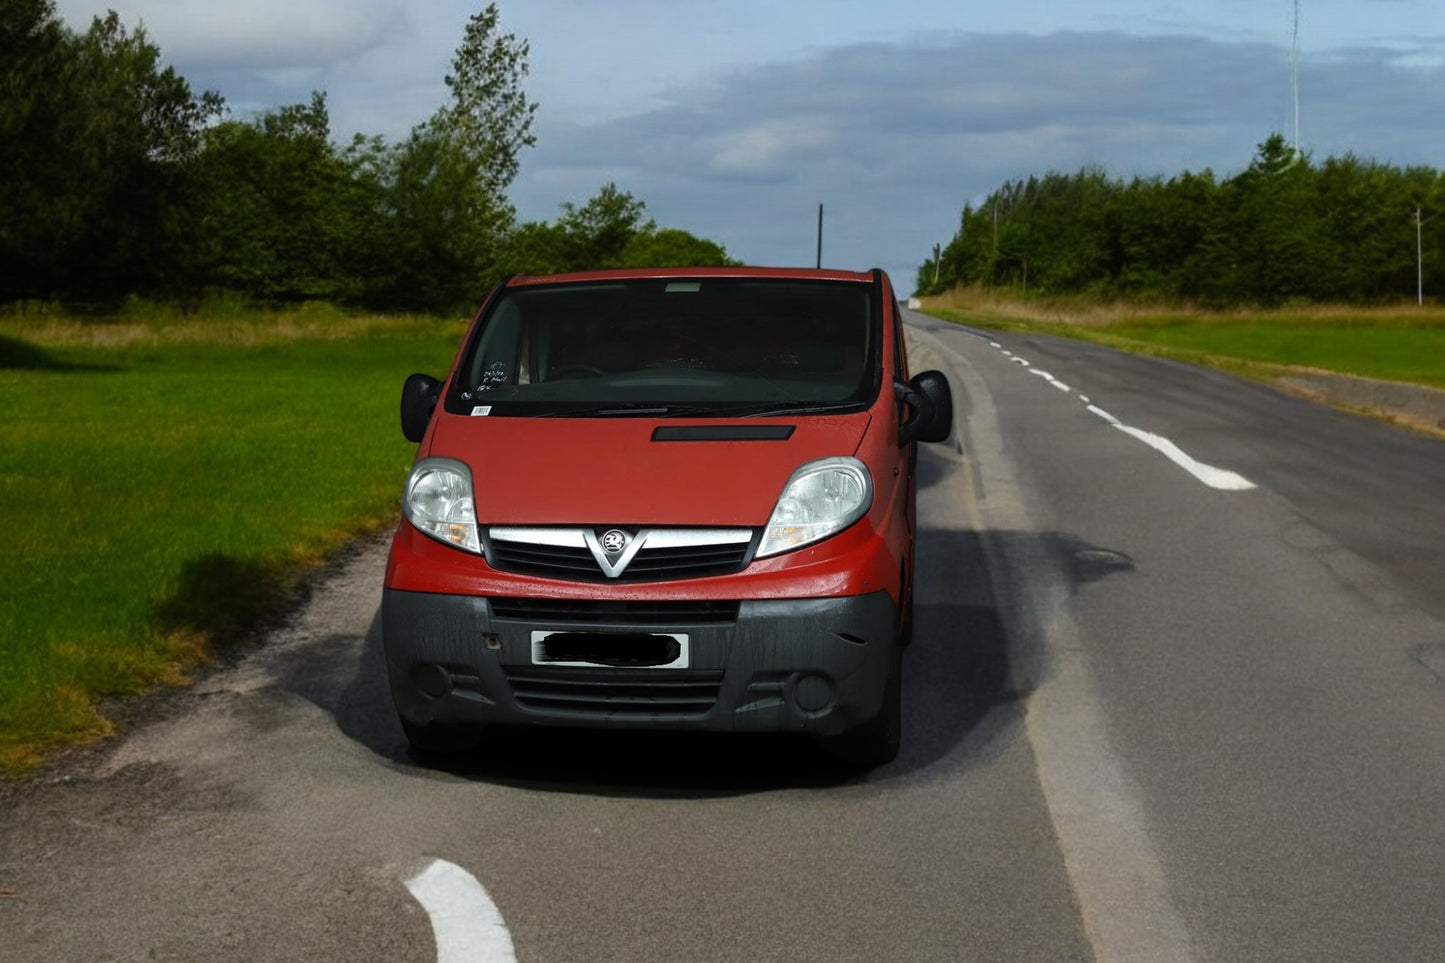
(1415,406)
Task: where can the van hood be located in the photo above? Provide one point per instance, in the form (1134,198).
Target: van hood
(611,471)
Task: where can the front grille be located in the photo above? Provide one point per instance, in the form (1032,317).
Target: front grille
(660,692)
(665,554)
(549,561)
(655,564)
(592,612)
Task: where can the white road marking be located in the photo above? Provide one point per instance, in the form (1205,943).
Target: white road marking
(1097,812)
(1050,379)
(1218,478)
(1105,415)
(467,924)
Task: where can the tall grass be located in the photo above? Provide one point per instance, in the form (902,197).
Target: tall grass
(164,483)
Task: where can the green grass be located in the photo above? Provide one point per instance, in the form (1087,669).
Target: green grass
(1392,352)
(1392,344)
(164,485)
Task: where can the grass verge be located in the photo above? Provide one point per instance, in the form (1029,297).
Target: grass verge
(165,484)
(1400,343)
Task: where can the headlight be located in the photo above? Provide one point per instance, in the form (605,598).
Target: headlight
(439,502)
(821,499)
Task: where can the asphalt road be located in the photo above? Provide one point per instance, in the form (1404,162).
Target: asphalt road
(1145,719)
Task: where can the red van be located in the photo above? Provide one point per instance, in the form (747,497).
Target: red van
(676,499)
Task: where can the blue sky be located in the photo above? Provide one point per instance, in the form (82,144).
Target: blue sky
(735,119)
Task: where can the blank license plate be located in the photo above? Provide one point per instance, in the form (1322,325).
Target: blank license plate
(611,650)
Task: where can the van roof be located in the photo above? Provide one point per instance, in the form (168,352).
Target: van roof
(824,274)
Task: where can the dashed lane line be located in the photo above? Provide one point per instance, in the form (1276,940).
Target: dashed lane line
(1051,379)
(1217,478)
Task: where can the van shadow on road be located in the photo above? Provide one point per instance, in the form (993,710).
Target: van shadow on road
(959,707)
(954,675)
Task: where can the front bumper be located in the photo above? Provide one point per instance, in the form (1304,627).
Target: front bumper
(782,665)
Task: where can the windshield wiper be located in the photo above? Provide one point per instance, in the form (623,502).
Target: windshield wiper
(638,410)
(764,411)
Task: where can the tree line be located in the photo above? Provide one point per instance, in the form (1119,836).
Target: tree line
(118,179)
(1284,229)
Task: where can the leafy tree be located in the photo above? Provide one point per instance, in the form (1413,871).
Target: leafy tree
(137,130)
(607,231)
(671,247)
(489,119)
(35,49)
(446,210)
(1263,243)
(535,248)
(1420,191)
(116,179)
(1364,230)
(282,209)
(963,260)
(444,232)
(597,234)
(1156,226)
(98,137)
(1056,235)
(1281,229)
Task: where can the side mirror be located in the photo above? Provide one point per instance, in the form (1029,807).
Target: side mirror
(419,398)
(931,399)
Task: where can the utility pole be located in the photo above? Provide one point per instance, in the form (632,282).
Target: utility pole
(1294,77)
(820,235)
(1419,261)
(993,260)
(1420,254)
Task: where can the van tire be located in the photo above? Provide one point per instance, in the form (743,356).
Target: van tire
(877,741)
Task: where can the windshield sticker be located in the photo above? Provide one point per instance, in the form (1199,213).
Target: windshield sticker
(684,287)
(481,411)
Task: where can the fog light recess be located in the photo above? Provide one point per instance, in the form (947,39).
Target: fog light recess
(432,680)
(812,693)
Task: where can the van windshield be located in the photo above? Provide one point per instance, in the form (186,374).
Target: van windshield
(673,346)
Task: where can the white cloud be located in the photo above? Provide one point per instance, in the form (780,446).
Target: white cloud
(765,147)
(255,34)
(895,138)
(737,134)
